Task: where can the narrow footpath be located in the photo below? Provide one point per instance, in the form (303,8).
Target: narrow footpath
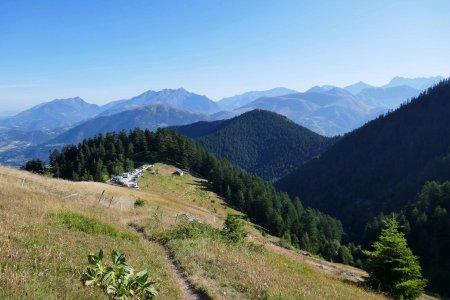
(188,289)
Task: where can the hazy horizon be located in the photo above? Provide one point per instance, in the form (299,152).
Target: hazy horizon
(113,50)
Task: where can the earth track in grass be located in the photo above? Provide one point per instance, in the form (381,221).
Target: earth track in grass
(188,289)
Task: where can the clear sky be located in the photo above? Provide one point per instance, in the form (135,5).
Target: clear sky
(114,49)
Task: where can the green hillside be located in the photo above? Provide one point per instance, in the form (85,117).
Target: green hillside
(103,157)
(44,245)
(261,142)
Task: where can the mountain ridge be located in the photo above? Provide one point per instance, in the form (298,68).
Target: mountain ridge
(146,117)
(53,114)
(178,98)
(233,102)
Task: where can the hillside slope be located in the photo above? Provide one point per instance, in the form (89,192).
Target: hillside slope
(43,257)
(261,142)
(380,166)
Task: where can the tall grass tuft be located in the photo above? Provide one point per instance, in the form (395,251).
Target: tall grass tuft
(76,221)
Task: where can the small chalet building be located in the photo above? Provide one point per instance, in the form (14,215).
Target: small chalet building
(178,172)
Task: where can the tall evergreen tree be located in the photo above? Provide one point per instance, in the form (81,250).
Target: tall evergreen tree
(392,266)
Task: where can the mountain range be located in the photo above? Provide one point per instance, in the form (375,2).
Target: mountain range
(326,110)
(329,112)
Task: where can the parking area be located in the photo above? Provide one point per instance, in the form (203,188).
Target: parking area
(129,179)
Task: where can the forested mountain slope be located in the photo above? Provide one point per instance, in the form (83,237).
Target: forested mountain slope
(380,166)
(261,142)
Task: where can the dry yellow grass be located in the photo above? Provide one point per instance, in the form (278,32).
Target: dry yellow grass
(230,271)
(40,258)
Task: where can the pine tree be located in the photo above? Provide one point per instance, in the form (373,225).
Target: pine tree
(392,266)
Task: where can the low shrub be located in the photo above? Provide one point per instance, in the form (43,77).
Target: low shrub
(233,228)
(139,202)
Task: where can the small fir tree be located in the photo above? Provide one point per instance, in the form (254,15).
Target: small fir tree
(233,228)
(392,266)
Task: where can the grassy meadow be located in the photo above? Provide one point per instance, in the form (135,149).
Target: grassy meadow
(48,227)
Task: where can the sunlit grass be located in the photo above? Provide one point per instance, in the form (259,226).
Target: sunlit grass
(49,226)
(44,253)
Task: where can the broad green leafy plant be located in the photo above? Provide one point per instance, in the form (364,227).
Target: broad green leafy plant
(118,280)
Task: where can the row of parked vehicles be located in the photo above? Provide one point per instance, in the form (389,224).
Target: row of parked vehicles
(129,179)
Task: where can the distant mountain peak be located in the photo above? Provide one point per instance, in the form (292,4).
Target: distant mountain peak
(76,99)
(418,83)
(178,90)
(237,101)
(320,89)
(177,98)
(54,114)
(356,88)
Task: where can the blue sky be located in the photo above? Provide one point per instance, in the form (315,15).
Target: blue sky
(108,50)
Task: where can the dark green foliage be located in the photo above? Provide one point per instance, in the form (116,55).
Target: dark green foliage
(76,221)
(139,202)
(35,166)
(233,228)
(260,142)
(381,166)
(429,235)
(344,256)
(105,155)
(392,267)
(118,280)
(426,224)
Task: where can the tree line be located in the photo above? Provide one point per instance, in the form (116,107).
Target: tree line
(104,156)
